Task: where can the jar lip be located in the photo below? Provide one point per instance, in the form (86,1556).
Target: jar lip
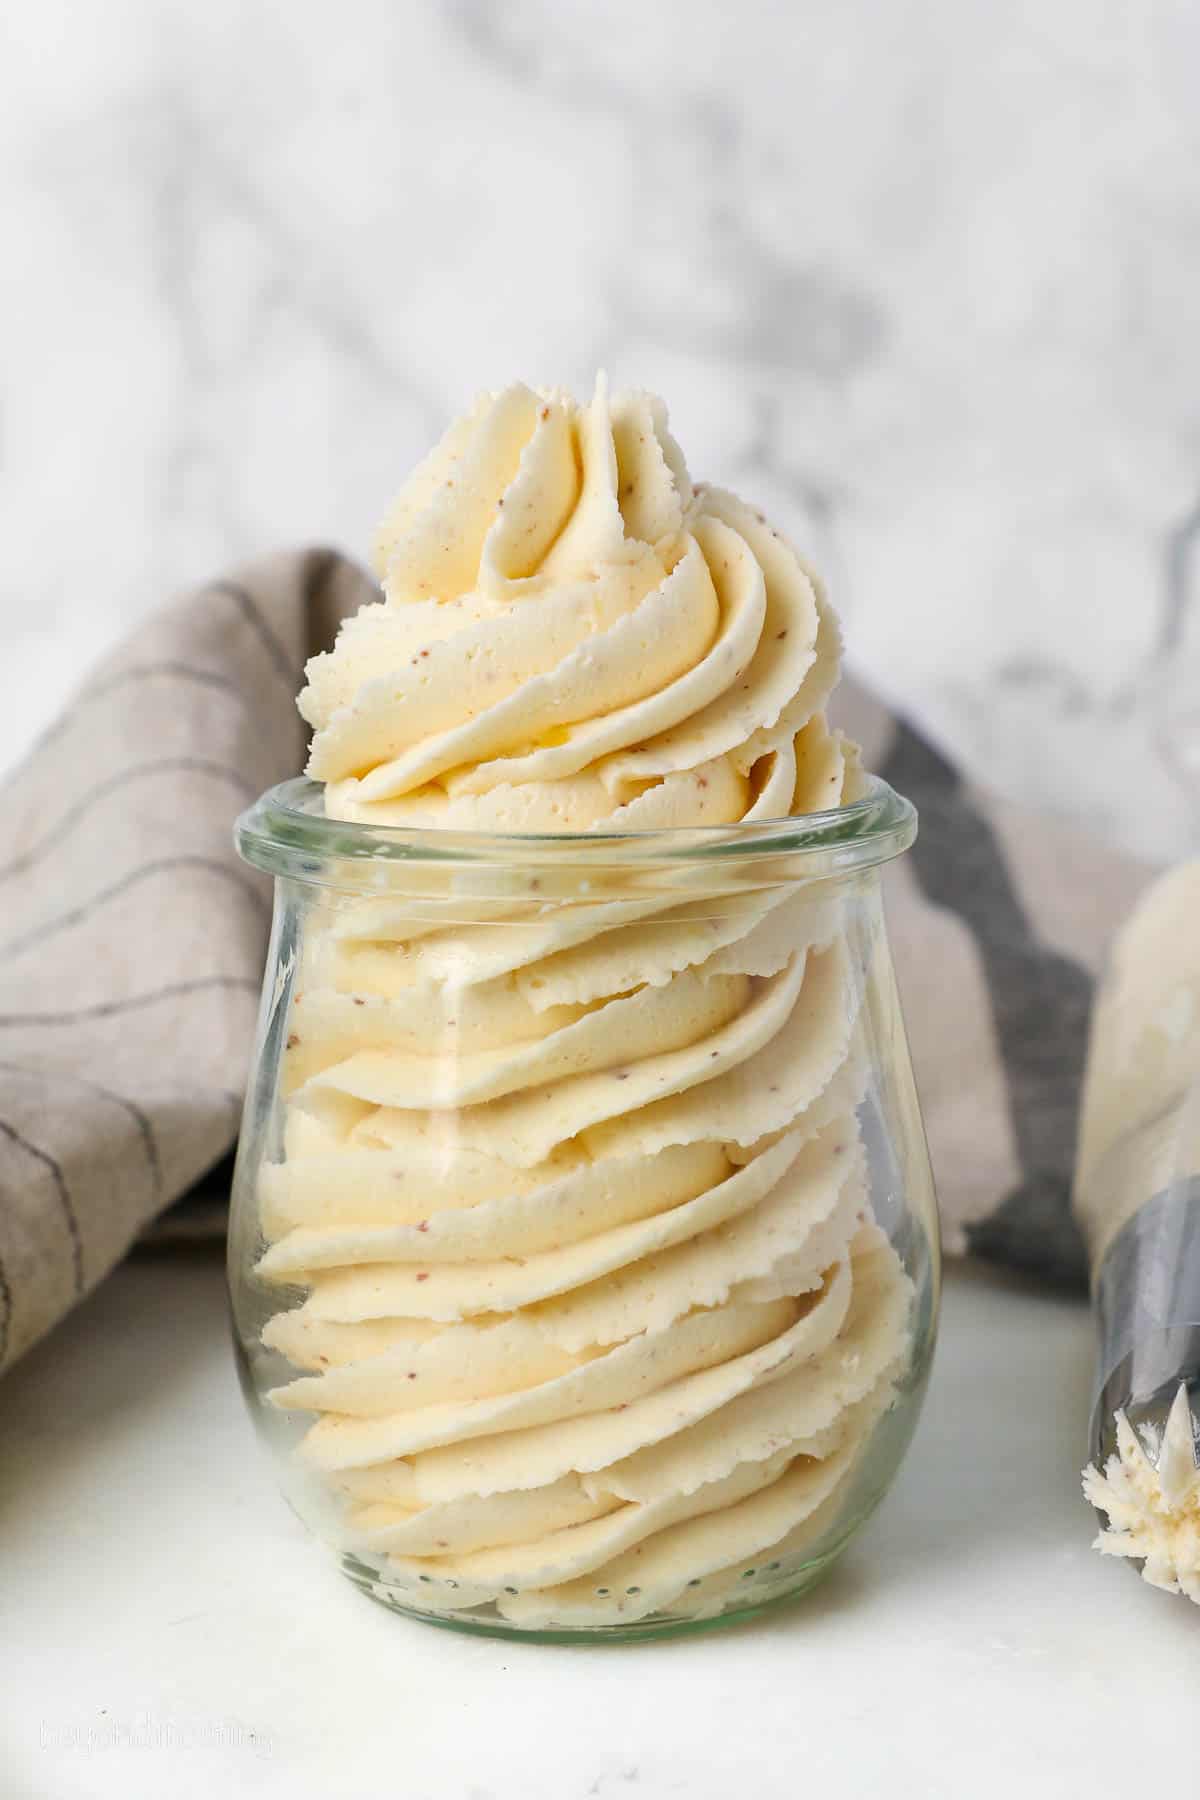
(287,832)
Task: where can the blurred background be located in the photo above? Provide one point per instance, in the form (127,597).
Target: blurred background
(919,277)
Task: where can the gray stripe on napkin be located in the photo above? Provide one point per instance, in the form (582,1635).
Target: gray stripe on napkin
(1040,1002)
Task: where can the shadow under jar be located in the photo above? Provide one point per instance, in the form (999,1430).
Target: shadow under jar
(583,1254)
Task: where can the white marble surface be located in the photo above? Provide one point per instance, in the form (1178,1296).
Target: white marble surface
(178,1633)
(922,278)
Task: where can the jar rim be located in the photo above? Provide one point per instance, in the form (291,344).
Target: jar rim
(286,832)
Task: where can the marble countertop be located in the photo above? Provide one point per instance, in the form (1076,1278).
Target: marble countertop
(178,1633)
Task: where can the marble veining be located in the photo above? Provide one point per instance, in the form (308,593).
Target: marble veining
(920,279)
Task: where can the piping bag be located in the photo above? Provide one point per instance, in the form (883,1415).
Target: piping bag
(1137,1197)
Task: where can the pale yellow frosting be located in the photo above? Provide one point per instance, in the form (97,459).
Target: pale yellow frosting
(594,1308)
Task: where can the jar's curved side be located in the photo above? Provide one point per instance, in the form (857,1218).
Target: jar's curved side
(260,1142)
(883,1134)
(259,1136)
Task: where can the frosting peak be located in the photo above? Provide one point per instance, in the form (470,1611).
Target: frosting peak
(573,637)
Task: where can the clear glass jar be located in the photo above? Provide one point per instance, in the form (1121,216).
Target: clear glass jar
(583,1253)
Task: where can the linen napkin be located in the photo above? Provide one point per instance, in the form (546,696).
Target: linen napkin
(132,943)
(131,937)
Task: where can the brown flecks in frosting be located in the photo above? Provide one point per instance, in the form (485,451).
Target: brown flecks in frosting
(292,1041)
(488,611)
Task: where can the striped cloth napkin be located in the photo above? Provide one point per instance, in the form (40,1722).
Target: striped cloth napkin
(132,943)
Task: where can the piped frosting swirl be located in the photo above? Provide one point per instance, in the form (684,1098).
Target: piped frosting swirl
(594,1309)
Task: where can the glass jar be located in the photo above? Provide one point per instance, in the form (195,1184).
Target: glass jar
(583,1251)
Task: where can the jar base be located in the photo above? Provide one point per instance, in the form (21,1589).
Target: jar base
(806,1577)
